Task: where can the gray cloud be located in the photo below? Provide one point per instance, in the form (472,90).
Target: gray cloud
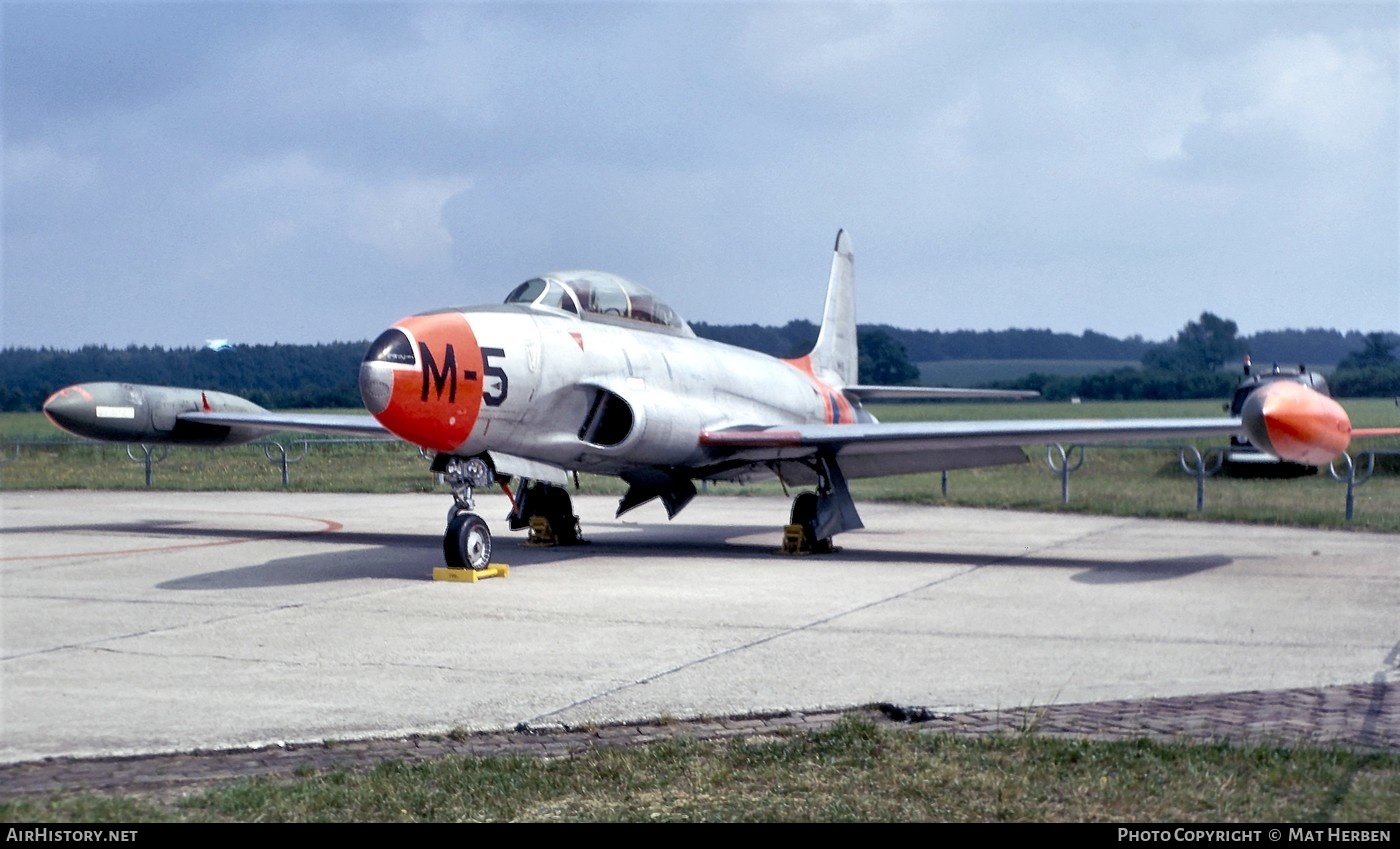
(310,172)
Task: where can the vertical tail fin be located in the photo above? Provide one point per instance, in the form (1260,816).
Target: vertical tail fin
(834,357)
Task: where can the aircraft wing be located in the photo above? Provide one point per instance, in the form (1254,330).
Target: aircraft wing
(867,450)
(268,422)
(176,415)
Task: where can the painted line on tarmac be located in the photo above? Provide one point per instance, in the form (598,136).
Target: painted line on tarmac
(330,527)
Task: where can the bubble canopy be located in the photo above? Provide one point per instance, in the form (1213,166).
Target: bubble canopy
(597,295)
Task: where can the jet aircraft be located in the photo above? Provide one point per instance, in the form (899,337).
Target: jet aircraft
(583,371)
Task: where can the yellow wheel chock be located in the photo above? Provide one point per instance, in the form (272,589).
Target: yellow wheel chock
(471,576)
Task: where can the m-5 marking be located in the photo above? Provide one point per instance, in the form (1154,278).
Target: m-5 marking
(448,374)
(445,377)
(492,370)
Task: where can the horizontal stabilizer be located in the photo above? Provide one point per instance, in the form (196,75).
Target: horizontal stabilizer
(931,393)
(1362,432)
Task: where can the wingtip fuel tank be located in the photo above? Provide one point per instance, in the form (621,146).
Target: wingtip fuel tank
(1296,423)
(129,412)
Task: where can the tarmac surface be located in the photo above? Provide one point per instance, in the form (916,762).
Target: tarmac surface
(155,640)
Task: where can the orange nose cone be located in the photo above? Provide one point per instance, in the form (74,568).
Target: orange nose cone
(1296,423)
(422,380)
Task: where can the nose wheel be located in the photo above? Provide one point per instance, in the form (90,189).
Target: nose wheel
(467,543)
(544,508)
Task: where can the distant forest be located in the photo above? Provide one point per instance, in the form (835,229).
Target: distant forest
(1200,362)
(1316,347)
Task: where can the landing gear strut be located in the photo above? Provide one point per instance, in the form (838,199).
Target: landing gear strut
(467,543)
(548,512)
(544,508)
(819,516)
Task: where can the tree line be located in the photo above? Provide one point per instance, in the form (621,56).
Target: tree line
(324,375)
(1195,364)
(796,337)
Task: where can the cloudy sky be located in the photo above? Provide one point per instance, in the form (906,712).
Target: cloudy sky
(311,171)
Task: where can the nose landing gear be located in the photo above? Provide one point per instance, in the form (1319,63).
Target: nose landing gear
(467,542)
(542,507)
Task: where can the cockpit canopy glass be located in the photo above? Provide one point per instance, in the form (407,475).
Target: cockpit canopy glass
(596,295)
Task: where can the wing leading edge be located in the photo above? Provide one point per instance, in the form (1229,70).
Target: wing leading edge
(269,422)
(866,450)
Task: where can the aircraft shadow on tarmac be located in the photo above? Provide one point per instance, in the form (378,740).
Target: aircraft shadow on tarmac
(402,556)
(172,527)
(412,556)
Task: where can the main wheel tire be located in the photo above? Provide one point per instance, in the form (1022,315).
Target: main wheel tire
(804,513)
(467,543)
(559,510)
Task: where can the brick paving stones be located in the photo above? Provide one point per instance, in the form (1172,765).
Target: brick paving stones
(1360,716)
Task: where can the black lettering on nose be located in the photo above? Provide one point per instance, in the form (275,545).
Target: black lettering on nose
(447,375)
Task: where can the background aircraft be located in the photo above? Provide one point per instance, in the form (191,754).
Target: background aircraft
(583,371)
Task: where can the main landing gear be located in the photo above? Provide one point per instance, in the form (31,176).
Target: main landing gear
(819,516)
(544,508)
(548,512)
(800,534)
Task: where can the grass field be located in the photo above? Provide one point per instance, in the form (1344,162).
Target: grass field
(981,372)
(855,772)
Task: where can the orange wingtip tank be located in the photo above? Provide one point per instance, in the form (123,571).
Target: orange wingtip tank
(1296,423)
